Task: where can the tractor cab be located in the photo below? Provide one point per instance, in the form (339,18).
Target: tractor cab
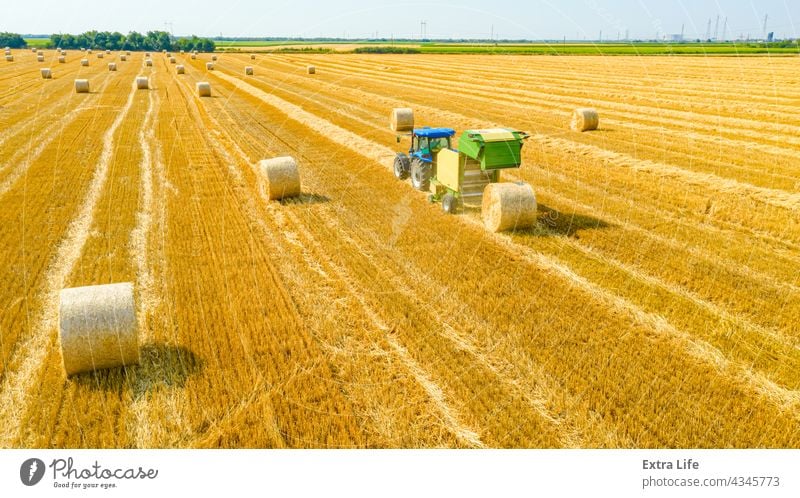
(427,142)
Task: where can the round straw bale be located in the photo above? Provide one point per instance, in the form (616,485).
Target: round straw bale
(179,69)
(39,52)
(508,205)
(279,177)
(100,55)
(142,83)
(203,89)
(147,54)
(10,58)
(89,51)
(169,54)
(172,60)
(62,59)
(123,58)
(252,57)
(311,69)
(46,73)
(194,56)
(127,52)
(81,86)
(213,57)
(84,62)
(182,52)
(108,51)
(148,62)
(112,66)
(7,52)
(97,327)
(40,58)
(402,119)
(585,119)
(209,66)
(248,70)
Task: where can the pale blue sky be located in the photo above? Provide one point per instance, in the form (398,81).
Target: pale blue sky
(531,19)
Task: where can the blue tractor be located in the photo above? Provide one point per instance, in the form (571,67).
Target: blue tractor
(419,162)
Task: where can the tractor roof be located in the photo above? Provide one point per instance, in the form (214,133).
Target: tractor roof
(434,132)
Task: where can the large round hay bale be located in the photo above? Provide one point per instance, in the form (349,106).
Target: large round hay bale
(62,59)
(40,58)
(280,177)
(100,55)
(112,66)
(89,51)
(252,57)
(508,205)
(81,86)
(147,54)
(7,52)
(585,119)
(179,69)
(46,73)
(84,62)
(108,51)
(148,62)
(97,327)
(203,89)
(142,83)
(248,70)
(193,56)
(402,119)
(10,58)
(127,52)
(311,69)
(172,60)
(209,66)
(213,57)
(40,52)
(123,58)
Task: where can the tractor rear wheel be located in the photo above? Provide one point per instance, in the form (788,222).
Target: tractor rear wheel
(450,203)
(420,174)
(402,165)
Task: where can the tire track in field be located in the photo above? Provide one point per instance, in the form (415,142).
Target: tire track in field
(701,350)
(147,292)
(16,390)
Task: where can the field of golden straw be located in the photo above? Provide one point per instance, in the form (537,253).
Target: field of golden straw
(655,303)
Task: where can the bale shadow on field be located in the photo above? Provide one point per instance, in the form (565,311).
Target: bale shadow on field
(555,223)
(160,367)
(305,199)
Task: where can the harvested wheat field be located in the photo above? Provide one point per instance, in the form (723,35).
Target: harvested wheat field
(655,303)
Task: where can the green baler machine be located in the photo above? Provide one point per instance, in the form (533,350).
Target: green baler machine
(467,176)
(460,177)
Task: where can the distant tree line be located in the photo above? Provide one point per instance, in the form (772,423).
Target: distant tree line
(153,40)
(386,50)
(12,40)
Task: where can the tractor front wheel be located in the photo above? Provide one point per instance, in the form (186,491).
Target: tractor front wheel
(420,174)
(402,165)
